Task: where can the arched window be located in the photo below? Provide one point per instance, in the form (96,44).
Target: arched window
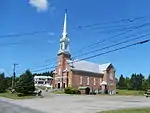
(61,46)
(65,46)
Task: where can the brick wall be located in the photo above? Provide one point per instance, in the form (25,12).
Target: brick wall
(76,79)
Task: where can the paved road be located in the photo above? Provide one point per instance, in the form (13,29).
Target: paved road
(6,107)
(82,104)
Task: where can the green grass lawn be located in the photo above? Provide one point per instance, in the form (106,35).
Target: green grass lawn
(142,110)
(59,92)
(130,92)
(14,96)
(42,87)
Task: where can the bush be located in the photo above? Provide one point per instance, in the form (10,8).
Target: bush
(70,90)
(20,94)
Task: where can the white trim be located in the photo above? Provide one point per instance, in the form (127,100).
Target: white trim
(94,81)
(100,81)
(103,83)
(81,79)
(88,79)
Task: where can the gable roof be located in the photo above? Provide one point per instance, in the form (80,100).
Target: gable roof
(88,66)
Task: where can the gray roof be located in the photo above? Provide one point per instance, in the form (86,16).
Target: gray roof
(88,66)
(42,77)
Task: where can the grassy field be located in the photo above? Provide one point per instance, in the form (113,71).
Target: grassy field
(119,92)
(59,92)
(142,110)
(42,87)
(14,96)
(130,92)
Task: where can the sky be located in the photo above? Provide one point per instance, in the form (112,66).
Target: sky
(39,51)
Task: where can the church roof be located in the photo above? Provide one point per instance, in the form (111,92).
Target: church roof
(88,66)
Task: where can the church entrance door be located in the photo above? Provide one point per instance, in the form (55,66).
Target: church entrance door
(58,85)
(64,85)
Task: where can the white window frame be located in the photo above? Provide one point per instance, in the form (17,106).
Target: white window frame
(100,80)
(81,79)
(94,81)
(88,79)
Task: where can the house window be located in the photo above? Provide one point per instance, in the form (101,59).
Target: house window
(59,71)
(94,81)
(111,77)
(87,80)
(80,79)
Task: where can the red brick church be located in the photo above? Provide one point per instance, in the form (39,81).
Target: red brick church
(74,73)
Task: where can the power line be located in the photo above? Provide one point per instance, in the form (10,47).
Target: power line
(100,54)
(128,20)
(96,24)
(137,27)
(140,42)
(22,34)
(115,36)
(113,45)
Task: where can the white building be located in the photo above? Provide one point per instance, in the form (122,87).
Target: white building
(46,81)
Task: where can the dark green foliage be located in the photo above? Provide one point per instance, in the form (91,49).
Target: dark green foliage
(135,82)
(25,84)
(3,86)
(122,82)
(71,90)
(8,81)
(128,82)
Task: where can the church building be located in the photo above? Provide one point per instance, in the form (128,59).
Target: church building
(81,73)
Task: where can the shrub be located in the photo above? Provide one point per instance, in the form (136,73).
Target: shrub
(71,90)
(77,91)
(20,94)
(68,90)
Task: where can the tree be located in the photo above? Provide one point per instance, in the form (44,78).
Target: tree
(127,81)
(3,86)
(8,81)
(144,85)
(121,83)
(148,80)
(133,82)
(25,84)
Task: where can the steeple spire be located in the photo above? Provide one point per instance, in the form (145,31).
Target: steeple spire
(64,41)
(64,34)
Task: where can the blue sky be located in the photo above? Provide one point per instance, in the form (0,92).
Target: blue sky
(34,51)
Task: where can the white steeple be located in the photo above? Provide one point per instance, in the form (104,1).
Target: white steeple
(64,41)
(64,33)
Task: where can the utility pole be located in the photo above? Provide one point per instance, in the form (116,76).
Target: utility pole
(14,74)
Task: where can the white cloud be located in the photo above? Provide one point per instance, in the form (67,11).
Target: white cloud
(50,41)
(40,5)
(51,33)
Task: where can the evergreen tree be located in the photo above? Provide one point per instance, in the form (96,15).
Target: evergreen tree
(148,81)
(121,83)
(3,86)
(127,80)
(133,82)
(144,85)
(25,84)
(8,81)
